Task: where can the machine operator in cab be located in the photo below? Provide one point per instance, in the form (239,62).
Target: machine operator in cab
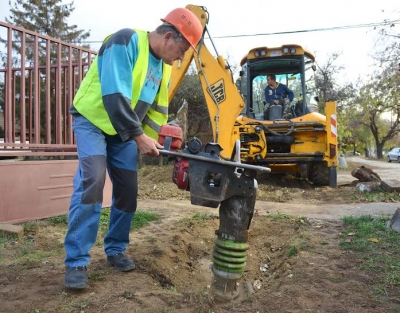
(276,93)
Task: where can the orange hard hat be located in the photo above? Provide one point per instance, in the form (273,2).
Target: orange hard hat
(187,23)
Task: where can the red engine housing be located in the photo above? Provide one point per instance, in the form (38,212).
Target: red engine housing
(180,174)
(172,131)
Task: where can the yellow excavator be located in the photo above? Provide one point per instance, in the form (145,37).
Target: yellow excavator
(303,144)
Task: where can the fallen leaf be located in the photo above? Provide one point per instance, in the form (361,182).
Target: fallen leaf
(373,240)
(351,234)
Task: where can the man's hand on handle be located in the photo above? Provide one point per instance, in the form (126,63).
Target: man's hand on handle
(147,145)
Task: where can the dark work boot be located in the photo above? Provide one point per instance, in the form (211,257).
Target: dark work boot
(76,277)
(121,262)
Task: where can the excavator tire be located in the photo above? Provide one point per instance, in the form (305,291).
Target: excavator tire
(318,174)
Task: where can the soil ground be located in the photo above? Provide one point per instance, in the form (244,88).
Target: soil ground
(173,255)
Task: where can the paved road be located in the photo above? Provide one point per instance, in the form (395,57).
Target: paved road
(382,164)
(384,169)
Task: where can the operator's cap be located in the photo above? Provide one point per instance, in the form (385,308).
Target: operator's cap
(187,23)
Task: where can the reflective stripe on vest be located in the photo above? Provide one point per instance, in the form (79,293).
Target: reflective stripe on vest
(157,115)
(88,100)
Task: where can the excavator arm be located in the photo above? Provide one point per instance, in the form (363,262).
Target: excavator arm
(224,101)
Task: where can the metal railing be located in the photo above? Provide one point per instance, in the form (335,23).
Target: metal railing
(39,77)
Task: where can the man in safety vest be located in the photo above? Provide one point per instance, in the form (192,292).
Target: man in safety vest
(118,111)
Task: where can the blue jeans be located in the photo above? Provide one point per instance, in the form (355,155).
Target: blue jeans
(98,152)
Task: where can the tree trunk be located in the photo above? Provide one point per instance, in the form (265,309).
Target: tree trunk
(379,148)
(365,174)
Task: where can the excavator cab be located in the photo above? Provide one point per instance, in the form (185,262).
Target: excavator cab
(293,67)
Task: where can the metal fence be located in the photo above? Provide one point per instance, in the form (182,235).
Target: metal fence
(39,77)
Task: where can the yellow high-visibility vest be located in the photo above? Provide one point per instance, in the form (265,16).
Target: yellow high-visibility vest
(88,100)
